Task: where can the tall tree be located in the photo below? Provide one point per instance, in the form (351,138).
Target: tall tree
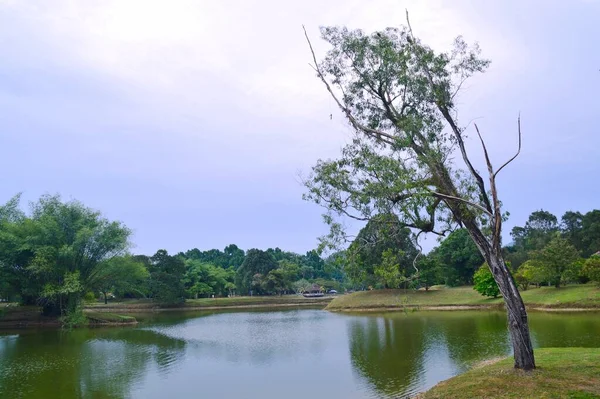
(571,225)
(255,268)
(120,274)
(399,94)
(590,233)
(381,233)
(166,277)
(459,258)
(55,254)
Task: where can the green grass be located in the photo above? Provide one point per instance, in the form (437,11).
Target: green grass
(562,373)
(574,296)
(108,318)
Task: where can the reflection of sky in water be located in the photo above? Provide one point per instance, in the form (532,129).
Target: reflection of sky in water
(292,354)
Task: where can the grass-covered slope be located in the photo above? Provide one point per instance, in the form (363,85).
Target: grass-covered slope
(575,296)
(561,373)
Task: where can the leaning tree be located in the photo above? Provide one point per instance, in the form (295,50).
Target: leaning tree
(399,96)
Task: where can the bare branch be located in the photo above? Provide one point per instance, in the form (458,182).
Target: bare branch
(372,132)
(518,151)
(485,152)
(451,197)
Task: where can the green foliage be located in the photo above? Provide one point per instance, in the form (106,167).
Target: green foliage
(388,271)
(251,273)
(484,282)
(429,270)
(204,279)
(366,262)
(301,286)
(398,94)
(54,254)
(591,269)
(557,260)
(166,277)
(231,256)
(458,258)
(74,317)
(121,275)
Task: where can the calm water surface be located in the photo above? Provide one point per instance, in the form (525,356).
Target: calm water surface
(284,354)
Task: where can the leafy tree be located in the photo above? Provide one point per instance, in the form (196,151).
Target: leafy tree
(388,271)
(55,254)
(313,260)
(257,264)
(485,283)
(540,228)
(590,233)
(235,256)
(532,272)
(556,260)
(301,286)
(398,94)
(166,278)
(366,253)
(591,269)
(458,257)
(275,282)
(429,270)
(120,274)
(571,226)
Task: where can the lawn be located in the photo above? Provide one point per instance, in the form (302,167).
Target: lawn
(562,373)
(574,296)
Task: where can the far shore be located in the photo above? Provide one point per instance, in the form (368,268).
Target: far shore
(115,313)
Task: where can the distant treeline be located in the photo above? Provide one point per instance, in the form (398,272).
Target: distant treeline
(59,254)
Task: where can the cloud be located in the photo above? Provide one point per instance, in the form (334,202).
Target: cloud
(214,103)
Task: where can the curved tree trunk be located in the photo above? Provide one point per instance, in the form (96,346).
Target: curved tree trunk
(518,325)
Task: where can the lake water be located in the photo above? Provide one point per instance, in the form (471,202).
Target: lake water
(275,354)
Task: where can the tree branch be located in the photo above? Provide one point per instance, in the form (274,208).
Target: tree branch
(485,152)
(457,133)
(518,151)
(372,132)
(451,197)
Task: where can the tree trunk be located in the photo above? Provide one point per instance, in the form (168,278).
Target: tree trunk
(105,299)
(518,325)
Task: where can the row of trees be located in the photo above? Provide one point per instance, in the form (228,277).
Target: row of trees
(383,254)
(59,252)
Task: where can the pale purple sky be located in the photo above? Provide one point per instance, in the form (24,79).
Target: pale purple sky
(190,120)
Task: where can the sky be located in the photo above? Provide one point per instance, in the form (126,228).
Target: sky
(191,121)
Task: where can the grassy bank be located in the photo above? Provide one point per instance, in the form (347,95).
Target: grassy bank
(571,297)
(98,313)
(562,373)
(14,316)
(141,305)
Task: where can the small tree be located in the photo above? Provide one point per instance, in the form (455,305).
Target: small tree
(556,260)
(591,269)
(485,283)
(388,271)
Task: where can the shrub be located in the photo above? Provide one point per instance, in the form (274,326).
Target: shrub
(485,283)
(591,269)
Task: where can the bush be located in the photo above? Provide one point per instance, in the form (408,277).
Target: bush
(89,297)
(591,269)
(485,283)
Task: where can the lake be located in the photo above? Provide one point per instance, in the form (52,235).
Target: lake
(269,354)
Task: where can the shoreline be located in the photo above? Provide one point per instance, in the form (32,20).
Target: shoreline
(200,308)
(115,315)
(412,308)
